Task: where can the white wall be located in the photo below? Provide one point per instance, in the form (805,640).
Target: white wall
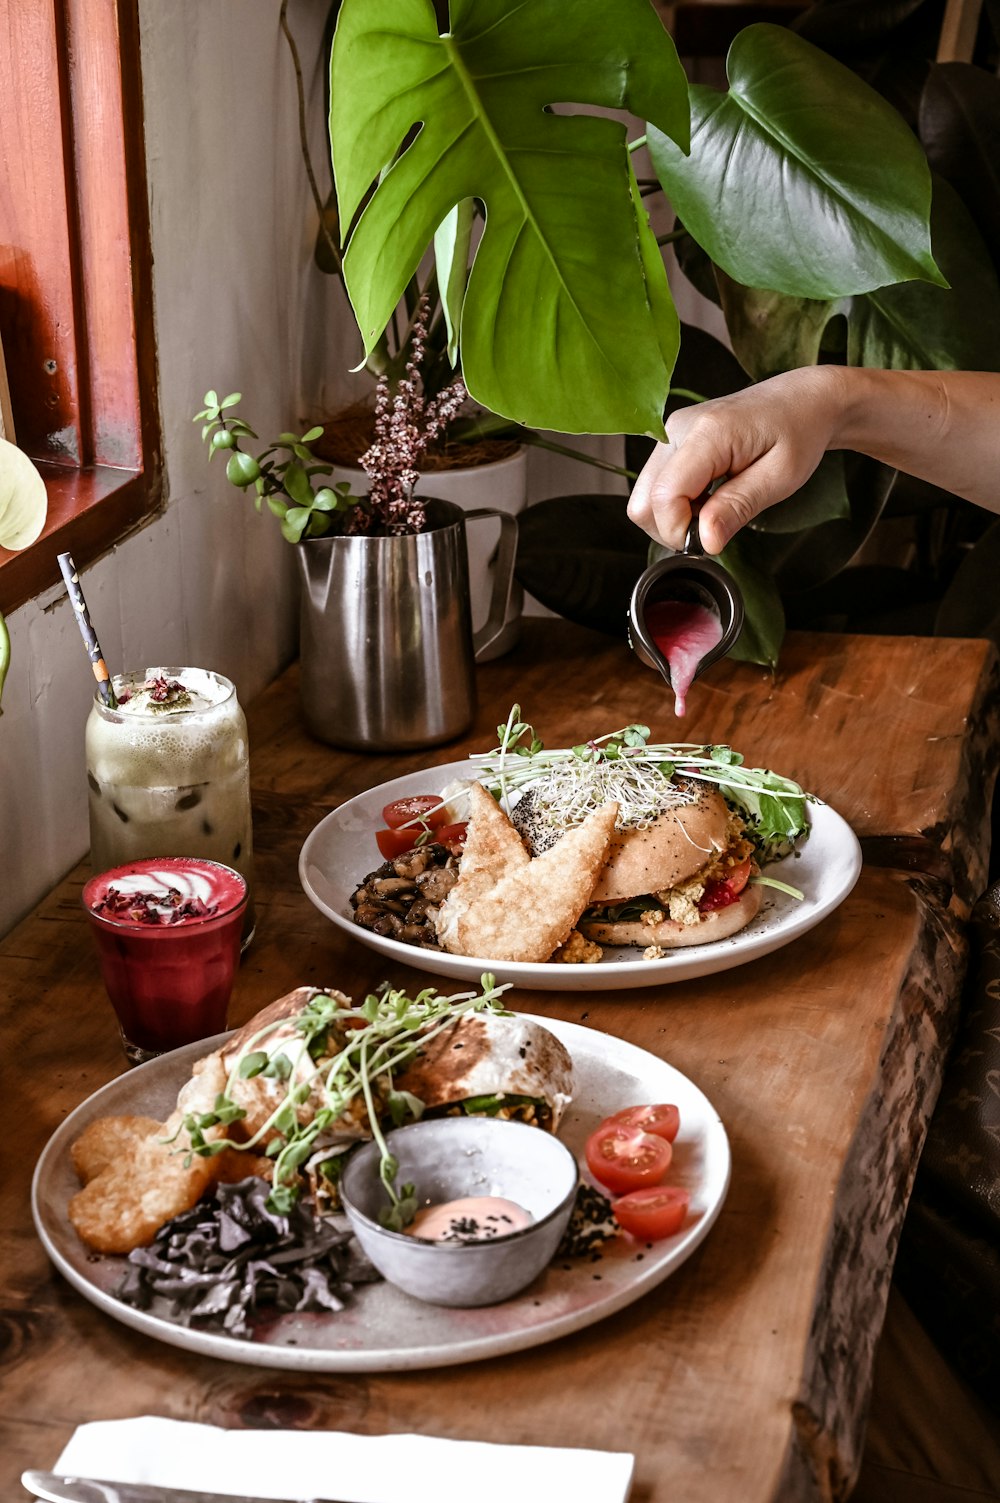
(209,582)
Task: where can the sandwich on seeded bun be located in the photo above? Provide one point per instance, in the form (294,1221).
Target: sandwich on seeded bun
(677,874)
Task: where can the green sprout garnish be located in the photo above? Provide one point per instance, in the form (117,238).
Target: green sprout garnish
(570,783)
(341,1053)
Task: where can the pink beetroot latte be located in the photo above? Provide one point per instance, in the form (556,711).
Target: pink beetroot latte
(167,932)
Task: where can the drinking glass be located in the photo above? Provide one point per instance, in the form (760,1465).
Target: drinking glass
(168,933)
(170,775)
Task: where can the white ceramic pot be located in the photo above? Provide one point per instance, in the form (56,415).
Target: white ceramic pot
(502,485)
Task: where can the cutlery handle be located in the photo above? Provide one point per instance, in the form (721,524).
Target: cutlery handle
(65,1489)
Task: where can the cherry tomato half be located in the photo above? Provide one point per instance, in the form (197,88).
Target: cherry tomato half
(661,1120)
(721,893)
(452,837)
(428,808)
(623,1158)
(655,1212)
(393,843)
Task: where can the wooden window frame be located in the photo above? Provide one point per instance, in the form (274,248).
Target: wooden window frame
(76,310)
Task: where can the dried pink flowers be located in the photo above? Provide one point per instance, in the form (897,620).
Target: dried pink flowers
(404,426)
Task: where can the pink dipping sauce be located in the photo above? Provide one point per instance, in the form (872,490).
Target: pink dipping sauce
(167,932)
(475,1218)
(684,631)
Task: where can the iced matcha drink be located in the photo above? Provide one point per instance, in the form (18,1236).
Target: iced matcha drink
(169,772)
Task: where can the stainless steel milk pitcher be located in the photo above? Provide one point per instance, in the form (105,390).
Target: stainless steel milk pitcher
(386,640)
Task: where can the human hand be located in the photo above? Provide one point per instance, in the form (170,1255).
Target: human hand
(767,439)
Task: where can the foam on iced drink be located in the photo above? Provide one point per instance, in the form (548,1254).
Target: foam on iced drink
(168,772)
(191,738)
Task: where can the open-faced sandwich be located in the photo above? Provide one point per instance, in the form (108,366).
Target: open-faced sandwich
(288,1094)
(554,855)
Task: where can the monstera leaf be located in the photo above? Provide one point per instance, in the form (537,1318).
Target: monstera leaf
(590,582)
(960,131)
(918,327)
(567,321)
(801,179)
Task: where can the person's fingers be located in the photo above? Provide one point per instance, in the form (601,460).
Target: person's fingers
(673,477)
(737,501)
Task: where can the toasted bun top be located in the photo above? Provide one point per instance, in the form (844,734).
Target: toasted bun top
(670,850)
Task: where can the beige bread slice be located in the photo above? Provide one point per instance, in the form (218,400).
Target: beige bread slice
(528,913)
(678,843)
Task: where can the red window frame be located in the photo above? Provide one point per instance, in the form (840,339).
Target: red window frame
(76,277)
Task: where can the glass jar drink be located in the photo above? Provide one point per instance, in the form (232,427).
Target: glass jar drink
(167,933)
(169,773)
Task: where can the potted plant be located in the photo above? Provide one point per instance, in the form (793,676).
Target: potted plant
(386,640)
(804,202)
(481,459)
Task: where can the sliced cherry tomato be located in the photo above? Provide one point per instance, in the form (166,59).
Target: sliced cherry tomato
(655,1212)
(428,808)
(452,837)
(623,1158)
(393,843)
(725,891)
(662,1121)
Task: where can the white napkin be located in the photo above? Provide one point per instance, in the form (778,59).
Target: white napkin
(332,1464)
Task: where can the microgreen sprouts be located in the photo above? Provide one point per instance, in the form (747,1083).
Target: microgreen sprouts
(342,1059)
(570,783)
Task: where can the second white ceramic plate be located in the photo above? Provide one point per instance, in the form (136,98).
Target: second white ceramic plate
(383,1329)
(341,851)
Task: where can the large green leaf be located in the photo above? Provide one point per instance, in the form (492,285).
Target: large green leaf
(803,560)
(918,327)
(770,331)
(801,179)
(764,622)
(23,498)
(452,240)
(566,318)
(960,131)
(581,556)
(823,498)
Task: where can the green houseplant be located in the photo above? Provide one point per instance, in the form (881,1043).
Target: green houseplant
(804,204)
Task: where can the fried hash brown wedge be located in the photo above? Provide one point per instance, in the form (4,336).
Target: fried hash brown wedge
(492,849)
(148,1182)
(105,1140)
(530,911)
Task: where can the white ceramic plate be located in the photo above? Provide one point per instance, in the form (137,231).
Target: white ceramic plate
(342,850)
(383,1329)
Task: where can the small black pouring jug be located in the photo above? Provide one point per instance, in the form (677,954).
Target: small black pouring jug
(688,575)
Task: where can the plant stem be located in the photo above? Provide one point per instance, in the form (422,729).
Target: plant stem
(334,249)
(591,459)
(637,144)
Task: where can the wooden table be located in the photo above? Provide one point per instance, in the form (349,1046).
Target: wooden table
(744,1376)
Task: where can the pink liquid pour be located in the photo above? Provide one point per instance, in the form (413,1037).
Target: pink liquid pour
(685,632)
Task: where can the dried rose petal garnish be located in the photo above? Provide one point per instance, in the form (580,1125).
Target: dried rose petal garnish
(168,907)
(164,690)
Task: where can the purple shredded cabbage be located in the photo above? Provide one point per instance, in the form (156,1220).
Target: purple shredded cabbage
(229,1259)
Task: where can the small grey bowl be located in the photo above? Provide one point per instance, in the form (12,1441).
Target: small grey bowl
(447,1158)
